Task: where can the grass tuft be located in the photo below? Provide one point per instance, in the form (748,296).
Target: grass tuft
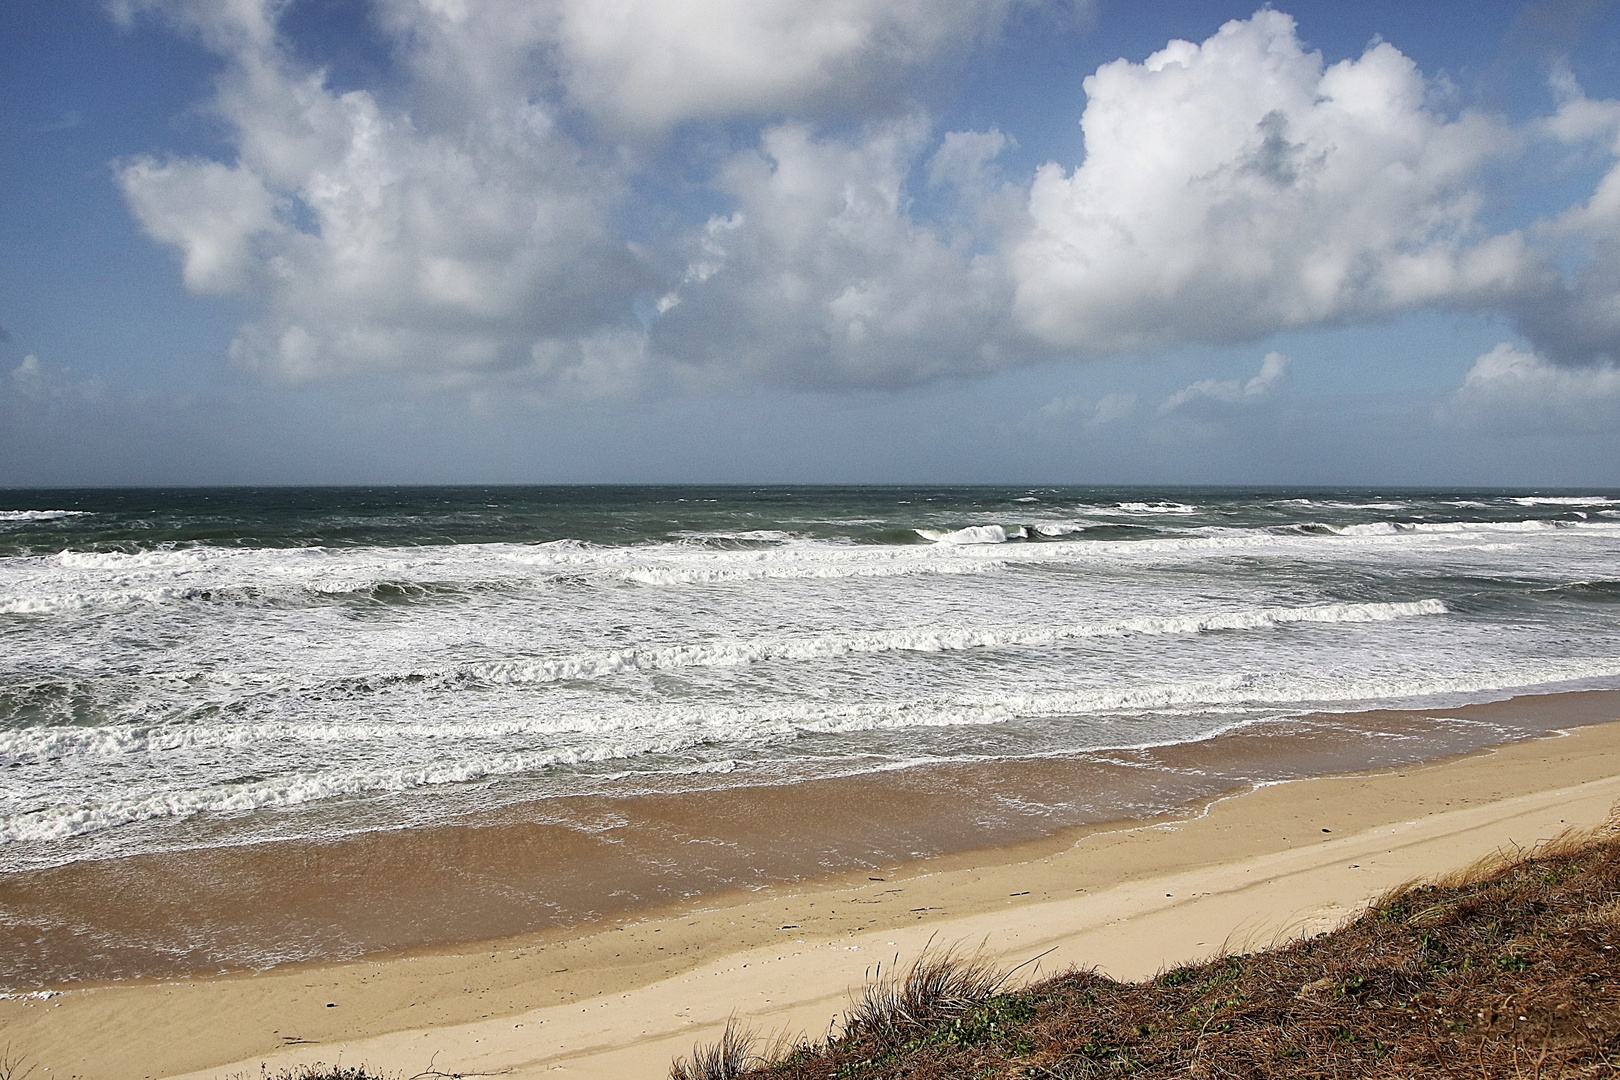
(731,1057)
(940,985)
(322,1071)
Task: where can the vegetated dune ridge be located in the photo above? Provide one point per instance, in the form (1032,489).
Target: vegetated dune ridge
(1507,968)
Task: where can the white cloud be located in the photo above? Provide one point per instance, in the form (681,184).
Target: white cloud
(211,212)
(450,235)
(1273,369)
(1512,391)
(1064,412)
(1238,187)
(965,161)
(472,220)
(35,383)
(458,227)
(1111,407)
(650,64)
(610,363)
(821,277)
(28,372)
(1576,319)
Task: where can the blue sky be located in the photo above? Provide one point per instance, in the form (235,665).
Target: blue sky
(1027,241)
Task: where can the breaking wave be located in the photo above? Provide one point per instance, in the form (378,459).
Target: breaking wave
(40,515)
(931,639)
(674,730)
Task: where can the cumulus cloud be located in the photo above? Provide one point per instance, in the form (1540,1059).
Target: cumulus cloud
(1514,391)
(1273,369)
(650,64)
(213,213)
(822,278)
(964,158)
(1576,319)
(1241,186)
(457,227)
(473,223)
(450,236)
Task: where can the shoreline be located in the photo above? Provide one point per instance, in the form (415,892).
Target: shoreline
(607,1000)
(552,869)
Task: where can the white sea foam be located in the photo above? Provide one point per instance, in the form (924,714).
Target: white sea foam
(79,581)
(35,744)
(730,653)
(166,558)
(679,729)
(1565,500)
(1157,508)
(721,574)
(40,515)
(1453,527)
(972,534)
(1245,690)
(1449,528)
(1337,504)
(768,536)
(62,822)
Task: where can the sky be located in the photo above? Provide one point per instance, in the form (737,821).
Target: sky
(809,241)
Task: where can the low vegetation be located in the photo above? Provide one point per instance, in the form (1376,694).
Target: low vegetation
(1509,969)
(323,1071)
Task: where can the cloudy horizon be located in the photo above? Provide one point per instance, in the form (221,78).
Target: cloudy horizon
(288,241)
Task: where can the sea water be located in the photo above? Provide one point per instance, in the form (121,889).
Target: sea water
(226,666)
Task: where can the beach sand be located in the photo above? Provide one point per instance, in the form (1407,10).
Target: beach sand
(619,996)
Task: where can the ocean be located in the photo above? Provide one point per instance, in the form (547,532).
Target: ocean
(202,667)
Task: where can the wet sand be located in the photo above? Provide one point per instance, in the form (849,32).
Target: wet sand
(649,969)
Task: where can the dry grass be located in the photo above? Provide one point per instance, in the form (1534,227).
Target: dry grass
(731,1057)
(938,986)
(1510,969)
(323,1071)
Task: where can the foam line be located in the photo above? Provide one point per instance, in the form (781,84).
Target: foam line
(932,639)
(73,581)
(685,729)
(40,515)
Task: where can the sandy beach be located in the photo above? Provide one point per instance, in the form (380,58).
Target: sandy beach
(620,997)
